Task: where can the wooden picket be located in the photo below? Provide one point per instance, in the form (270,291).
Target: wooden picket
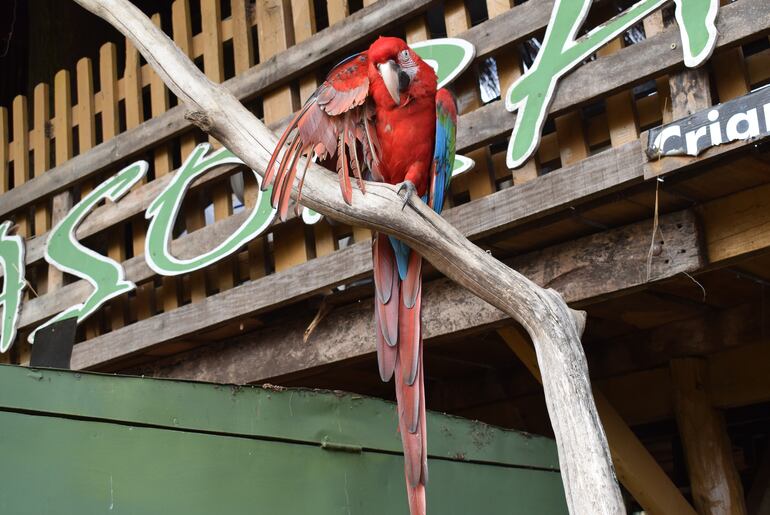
(25,136)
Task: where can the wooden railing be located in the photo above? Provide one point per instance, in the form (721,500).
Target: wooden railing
(50,161)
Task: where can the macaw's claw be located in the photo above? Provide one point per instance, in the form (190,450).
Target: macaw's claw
(410,189)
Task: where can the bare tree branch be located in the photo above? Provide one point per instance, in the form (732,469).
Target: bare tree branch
(588,475)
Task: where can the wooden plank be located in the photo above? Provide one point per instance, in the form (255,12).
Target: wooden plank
(62,202)
(636,468)
(162,164)
(182,27)
(108,82)
(20,148)
(134,104)
(303,20)
(714,480)
(621,118)
(610,256)
(275,35)
(730,74)
(337,10)
(41,149)
(737,225)
(4,150)
(479,181)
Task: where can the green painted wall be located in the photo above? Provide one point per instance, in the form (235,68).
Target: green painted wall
(76,443)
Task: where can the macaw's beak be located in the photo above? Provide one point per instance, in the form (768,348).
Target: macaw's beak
(390,76)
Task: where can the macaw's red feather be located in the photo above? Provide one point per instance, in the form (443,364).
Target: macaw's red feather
(386,353)
(409,397)
(409,337)
(386,286)
(269,171)
(343,170)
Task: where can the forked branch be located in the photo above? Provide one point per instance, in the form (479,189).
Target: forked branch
(588,475)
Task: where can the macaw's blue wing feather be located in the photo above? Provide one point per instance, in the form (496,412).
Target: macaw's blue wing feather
(402,251)
(444,151)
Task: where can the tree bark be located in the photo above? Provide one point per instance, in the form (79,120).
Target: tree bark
(589,479)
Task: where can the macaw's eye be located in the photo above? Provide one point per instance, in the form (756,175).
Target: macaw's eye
(403,55)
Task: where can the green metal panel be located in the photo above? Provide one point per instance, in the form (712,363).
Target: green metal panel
(74,443)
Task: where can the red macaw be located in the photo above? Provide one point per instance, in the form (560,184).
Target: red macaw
(384,102)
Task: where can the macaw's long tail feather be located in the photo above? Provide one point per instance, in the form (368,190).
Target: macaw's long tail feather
(399,352)
(280,177)
(386,300)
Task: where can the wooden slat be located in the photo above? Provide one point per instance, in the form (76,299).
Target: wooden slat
(636,468)
(303,19)
(134,104)
(730,74)
(275,35)
(108,82)
(508,70)
(20,146)
(337,10)
(159,102)
(85,107)
(41,149)
(621,119)
(608,255)
(86,122)
(182,28)
(714,480)
(62,202)
(213,66)
(477,182)
(4,148)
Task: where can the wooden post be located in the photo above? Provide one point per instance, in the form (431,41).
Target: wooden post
(3,150)
(716,486)
(637,469)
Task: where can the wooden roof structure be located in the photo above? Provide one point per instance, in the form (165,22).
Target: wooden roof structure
(669,257)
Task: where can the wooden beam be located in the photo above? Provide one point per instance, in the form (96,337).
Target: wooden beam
(716,486)
(636,468)
(620,254)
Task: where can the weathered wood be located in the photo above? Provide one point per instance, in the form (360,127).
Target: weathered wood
(41,148)
(20,148)
(588,268)
(716,486)
(637,469)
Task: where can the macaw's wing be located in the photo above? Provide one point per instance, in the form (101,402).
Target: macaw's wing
(332,122)
(444,151)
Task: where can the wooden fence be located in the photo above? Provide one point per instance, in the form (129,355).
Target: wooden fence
(272,55)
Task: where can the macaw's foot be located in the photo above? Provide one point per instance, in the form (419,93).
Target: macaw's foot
(410,190)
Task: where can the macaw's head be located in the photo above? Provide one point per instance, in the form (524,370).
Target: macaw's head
(397,69)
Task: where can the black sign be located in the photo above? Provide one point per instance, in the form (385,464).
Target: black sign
(744,118)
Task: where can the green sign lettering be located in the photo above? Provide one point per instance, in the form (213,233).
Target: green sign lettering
(164,209)
(532,93)
(12,261)
(65,253)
